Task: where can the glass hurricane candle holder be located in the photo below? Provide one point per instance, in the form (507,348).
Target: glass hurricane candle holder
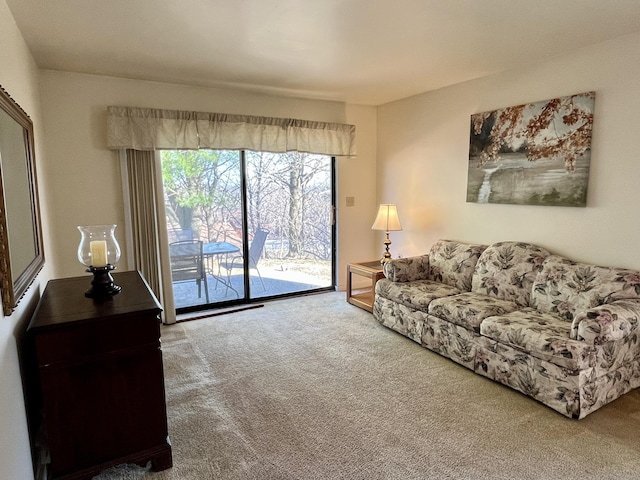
(99,251)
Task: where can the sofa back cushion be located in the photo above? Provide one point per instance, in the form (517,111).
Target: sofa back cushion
(565,288)
(453,263)
(506,270)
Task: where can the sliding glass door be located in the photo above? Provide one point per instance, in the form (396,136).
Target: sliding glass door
(290,196)
(247,225)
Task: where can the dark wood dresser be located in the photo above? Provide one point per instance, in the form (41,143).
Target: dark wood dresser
(98,377)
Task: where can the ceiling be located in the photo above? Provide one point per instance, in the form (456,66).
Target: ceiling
(358,51)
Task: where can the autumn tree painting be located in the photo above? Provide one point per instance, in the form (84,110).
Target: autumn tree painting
(532,154)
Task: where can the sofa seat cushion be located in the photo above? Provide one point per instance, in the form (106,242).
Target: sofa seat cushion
(416,295)
(469,309)
(542,335)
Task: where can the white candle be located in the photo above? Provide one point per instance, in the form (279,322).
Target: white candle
(98,250)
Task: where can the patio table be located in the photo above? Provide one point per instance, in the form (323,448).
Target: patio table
(214,249)
(218,248)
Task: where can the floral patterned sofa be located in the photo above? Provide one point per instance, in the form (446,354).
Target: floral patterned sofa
(562,332)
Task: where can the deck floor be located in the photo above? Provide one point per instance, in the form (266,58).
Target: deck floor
(276,282)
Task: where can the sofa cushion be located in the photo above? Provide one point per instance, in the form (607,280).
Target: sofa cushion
(567,288)
(542,335)
(507,270)
(469,309)
(416,295)
(453,263)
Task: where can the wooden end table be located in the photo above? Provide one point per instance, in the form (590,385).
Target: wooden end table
(363,297)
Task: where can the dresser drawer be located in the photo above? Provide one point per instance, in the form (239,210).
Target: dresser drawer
(81,341)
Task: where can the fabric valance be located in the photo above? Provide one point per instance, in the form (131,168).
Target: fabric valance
(155,129)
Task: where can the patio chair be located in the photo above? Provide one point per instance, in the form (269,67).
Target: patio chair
(187,264)
(180,235)
(255,252)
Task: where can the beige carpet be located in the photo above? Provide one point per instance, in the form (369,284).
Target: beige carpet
(315,388)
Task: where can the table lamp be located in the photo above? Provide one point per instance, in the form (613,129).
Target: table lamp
(388,221)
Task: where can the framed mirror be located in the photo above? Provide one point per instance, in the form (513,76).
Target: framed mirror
(21,250)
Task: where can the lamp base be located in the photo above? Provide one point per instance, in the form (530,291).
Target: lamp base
(387,255)
(102,285)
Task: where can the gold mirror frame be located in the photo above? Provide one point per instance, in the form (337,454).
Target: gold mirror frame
(22,203)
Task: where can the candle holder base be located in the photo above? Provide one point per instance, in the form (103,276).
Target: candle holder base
(102,285)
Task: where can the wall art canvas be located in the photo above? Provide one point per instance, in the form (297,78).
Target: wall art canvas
(532,154)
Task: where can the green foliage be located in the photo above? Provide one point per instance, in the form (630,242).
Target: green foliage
(188,176)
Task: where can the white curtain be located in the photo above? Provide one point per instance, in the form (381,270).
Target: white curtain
(139,131)
(152,129)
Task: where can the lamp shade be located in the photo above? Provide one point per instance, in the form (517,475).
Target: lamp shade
(387,218)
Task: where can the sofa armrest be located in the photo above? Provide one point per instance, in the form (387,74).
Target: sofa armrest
(605,323)
(407,269)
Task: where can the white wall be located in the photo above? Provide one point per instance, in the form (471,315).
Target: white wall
(357,178)
(423,157)
(85,179)
(19,77)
